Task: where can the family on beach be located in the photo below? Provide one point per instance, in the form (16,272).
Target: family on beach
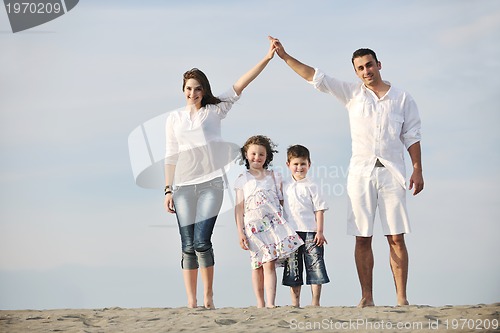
(280,222)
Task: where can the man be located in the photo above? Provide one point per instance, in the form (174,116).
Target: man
(384,121)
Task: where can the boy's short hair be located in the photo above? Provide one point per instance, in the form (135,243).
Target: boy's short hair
(297,151)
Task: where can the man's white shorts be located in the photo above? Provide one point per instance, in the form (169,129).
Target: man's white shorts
(380,190)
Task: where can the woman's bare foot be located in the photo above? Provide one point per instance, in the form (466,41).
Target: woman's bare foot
(210,306)
(209,302)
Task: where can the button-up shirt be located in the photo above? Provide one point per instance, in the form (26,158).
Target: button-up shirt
(301,200)
(380,127)
(188,140)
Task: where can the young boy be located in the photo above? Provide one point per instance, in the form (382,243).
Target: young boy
(303,210)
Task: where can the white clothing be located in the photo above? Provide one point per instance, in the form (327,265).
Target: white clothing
(301,199)
(380,190)
(191,136)
(268,234)
(380,128)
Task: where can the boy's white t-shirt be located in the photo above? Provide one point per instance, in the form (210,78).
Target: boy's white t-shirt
(302,199)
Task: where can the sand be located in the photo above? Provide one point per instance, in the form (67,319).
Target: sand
(415,318)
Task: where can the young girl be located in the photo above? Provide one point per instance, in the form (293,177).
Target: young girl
(261,227)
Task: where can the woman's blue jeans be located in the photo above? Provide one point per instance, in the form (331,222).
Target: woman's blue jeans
(197,207)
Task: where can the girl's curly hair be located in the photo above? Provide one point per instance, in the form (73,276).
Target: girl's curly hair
(260,140)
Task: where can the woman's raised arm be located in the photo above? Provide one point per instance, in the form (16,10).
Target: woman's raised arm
(249,76)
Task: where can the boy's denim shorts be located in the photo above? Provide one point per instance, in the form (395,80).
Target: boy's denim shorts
(310,255)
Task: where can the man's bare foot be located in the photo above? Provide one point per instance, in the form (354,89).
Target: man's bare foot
(403,302)
(192,306)
(365,303)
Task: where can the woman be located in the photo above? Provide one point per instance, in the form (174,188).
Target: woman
(194,144)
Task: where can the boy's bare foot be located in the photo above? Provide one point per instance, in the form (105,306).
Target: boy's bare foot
(365,303)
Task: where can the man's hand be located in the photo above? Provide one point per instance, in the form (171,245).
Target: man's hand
(280,50)
(416,181)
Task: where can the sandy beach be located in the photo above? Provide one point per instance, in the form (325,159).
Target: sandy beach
(415,318)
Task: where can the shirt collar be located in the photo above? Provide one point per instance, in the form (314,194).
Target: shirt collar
(369,91)
(298,181)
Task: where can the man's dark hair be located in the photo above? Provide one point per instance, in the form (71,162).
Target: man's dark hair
(362,52)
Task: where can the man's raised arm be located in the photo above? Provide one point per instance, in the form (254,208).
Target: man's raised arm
(305,71)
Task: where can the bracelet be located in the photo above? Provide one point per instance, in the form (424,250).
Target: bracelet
(168,189)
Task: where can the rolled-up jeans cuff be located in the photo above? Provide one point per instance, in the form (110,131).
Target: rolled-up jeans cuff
(206,258)
(189,261)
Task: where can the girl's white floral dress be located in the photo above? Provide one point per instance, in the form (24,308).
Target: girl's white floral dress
(269,236)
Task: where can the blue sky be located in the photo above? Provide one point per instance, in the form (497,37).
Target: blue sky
(75,230)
